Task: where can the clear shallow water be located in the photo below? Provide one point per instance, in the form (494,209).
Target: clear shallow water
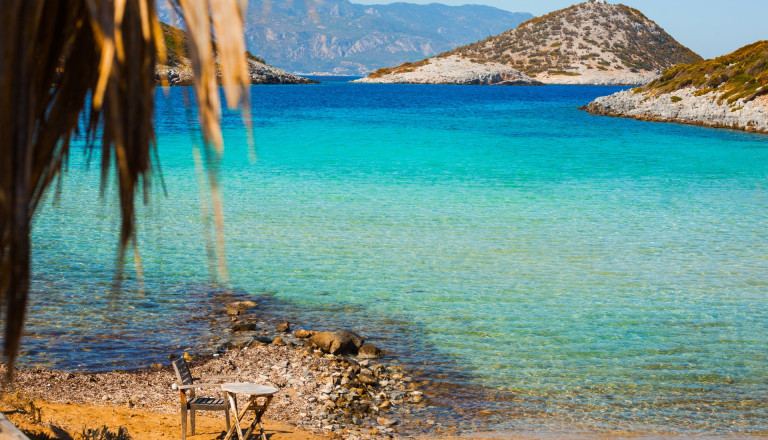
(580,270)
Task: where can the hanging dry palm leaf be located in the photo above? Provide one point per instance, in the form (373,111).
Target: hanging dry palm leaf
(62,59)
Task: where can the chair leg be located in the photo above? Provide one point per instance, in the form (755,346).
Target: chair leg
(183,422)
(226,416)
(192,420)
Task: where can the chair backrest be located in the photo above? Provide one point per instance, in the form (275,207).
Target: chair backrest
(183,374)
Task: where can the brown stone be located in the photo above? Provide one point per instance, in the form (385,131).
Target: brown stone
(284,327)
(278,341)
(238,307)
(244,327)
(366,379)
(369,351)
(338,342)
(301,333)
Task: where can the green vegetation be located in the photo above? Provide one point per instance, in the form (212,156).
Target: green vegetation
(177,46)
(676,99)
(563,72)
(742,74)
(403,68)
(253,57)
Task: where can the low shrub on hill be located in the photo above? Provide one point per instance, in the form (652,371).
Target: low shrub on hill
(742,74)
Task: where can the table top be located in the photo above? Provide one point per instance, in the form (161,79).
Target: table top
(248,388)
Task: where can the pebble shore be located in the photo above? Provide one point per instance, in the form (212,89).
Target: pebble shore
(329,383)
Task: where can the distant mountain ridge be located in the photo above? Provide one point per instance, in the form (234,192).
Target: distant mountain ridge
(588,43)
(342,38)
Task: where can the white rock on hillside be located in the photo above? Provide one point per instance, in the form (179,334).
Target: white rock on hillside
(455,70)
(600,78)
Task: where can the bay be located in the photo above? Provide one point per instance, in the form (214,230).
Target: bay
(546,266)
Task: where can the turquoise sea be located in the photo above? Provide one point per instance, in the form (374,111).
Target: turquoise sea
(550,269)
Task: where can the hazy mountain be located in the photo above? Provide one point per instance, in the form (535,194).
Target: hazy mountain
(339,37)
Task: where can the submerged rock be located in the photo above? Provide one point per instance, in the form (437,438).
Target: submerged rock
(238,307)
(244,327)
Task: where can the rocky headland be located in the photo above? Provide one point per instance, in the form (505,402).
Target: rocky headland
(181,74)
(593,43)
(177,70)
(454,70)
(728,92)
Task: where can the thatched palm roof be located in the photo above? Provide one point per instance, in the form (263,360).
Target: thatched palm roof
(100,54)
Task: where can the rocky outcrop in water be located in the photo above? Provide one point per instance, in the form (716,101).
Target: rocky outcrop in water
(685,106)
(730,91)
(590,43)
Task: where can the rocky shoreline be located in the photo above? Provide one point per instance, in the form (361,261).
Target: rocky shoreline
(260,73)
(454,70)
(331,383)
(685,106)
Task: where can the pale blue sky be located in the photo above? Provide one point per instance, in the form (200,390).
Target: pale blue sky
(709,27)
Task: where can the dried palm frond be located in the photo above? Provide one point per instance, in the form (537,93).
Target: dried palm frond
(61,59)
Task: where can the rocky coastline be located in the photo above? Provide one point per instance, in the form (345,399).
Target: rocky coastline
(454,70)
(331,383)
(685,106)
(181,74)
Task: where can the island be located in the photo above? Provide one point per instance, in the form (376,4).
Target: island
(592,43)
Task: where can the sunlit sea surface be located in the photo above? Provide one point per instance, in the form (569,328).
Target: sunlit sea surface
(545,267)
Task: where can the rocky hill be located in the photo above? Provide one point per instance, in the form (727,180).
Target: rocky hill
(729,91)
(178,68)
(588,43)
(342,38)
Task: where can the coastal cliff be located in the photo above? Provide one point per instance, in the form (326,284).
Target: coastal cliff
(177,71)
(592,43)
(729,91)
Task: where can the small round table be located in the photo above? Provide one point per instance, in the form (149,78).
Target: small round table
(259,397)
